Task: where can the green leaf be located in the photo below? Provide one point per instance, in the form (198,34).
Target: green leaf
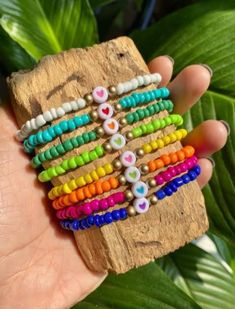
(202,276)
(148,288)
(43,27)
(13,56)
(205,33)
(98,3)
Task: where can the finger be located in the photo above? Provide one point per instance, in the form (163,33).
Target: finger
(206,171)
(207,138)
(188,86)
(164,66)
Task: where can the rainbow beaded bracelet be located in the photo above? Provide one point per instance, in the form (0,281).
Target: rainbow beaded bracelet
(123,213)
(55,113)
(99,151)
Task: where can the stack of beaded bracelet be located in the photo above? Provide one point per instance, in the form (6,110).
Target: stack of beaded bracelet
(70,199)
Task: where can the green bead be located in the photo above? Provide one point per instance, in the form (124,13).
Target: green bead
(60,149)
(35,162)
(136,132)
(99,150)
(43,177)
(93,155)
(129,118)
(150,128)
(143,128)
(80,140)
(156,108)
(174,118)
(68,145)
(168,121)
(79,161)
(85,156)
(156,124)
(54,152)
(42,157)
(140,113)
(161,105)
(59,170)
(86,137)
(65,165)
(136,117)
(48,154)
(162,123)
(92,135)
(74,142)
(51,172)
(151,109)
(72,163)
(146,112)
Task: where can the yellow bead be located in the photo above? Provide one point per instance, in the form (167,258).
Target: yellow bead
(108,168)
(154,145)
(184,132)
(161,144)
(51,195)
(147,148)
(173,137)
(89,178)
(72,184)
(80,181)
(66,188)
(93,176)
(100,171)
(166,139)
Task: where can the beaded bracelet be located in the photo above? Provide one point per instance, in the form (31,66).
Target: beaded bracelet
(105,112)
(130,211)
(55,113)
(77,141)
(96,174)
(89,156)
(138,192)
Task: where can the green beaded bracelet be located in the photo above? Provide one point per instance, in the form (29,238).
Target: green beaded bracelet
(60,149)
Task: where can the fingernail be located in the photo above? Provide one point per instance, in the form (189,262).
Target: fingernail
(212,161)
(170,58)
(227,126)
(209,69)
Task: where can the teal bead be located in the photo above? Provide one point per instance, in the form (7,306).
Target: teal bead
(40,138)
(77,121)
(164,92)
(136,117)
(140,113)
(147,97)
(36,162)
(74,142)
(151,109)
(129,118)
(146,112)
(86,137)
(132,101)
(92,135)
(54,152)
(152,96)
(51,131)
(67,145)
(60,149)
(47,155)
(156,108)
(63,125)
(41,157)
(71,125)
(46,136)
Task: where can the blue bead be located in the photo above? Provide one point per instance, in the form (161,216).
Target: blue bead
(132,100)
(63,125)
(108,218)
(57,130)
(86,118)
(160,194)
(123,213)
(172,186)
(71,125)
(84,224)
(141,98)
(197,170)
(46,136)
(185,178)
(101,220)
(51,132)
(90,220)
(97,221)
(77,121)
(39,138)
(67,225)
(152,96)
(31,140)
(168,191)
(178,181)
(192,175)
(164,92)
(115,215)
(75,225)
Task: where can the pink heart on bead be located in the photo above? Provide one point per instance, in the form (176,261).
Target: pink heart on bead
(128,158)
(100,93)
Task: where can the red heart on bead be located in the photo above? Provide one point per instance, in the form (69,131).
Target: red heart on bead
(100,93)
(105,110)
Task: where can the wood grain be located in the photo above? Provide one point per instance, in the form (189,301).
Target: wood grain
(122,245)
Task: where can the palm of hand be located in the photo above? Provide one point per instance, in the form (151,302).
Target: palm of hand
(40,265)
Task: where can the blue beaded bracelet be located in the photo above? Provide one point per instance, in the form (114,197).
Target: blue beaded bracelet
(42,137)
(136,98)
(122,213)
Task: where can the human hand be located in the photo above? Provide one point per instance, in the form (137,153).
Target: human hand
(40,264)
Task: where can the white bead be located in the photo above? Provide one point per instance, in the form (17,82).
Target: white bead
(139,189)
(120,88)
(158,78)
(140,80)
(28,125)
(67,107)
(81,103)
(33,124)
(110,126)
(132,174)
(100,94)
(60,112)
(47,116)
(147,80)
(53,112)
(128,158)
(141,205)
(127,87)
(40,121)
(117,141)
(105,111)
(19,136)
(74,105)
(135,83)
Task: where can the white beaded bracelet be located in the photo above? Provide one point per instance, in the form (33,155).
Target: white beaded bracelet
(72,106)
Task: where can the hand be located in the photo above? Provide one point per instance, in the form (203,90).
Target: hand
(40,264)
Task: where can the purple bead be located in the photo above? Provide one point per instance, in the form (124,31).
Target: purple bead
(159,179)
(108,218)
(166,175)
(189,163)
(115,215)
(104,204)
(86,209)
(178,169)
(94,205)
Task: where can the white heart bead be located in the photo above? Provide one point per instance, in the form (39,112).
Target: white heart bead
(100,94)
(105,111)
(139,189)
(117,141)
(128,158)
(110,126)
(141,205)
(132,174)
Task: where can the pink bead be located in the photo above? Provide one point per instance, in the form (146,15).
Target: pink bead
(178,169)
(94,205)
(72,212)
(111,201)
(119,197)
(172,171)
(159,179)
(184,167)
(166,175)
(86,209)
(59,215)
(104,204)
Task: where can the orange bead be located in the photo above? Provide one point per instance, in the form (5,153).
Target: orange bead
(66,200)
(106,186)
(173,156)
(80,194)
(99,189)
(189,151)
(181,155)
(87,192)
(151,166)
(92,189)
(113,182)
(159,164)
(166,159)
(73,197)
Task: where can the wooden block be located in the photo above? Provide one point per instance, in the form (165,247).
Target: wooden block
(137,241)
